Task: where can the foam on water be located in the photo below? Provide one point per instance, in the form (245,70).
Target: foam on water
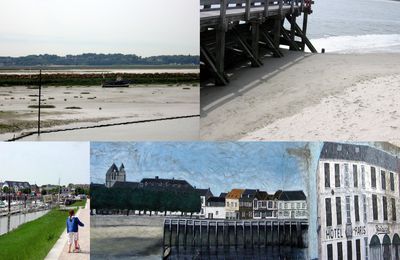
(372,43)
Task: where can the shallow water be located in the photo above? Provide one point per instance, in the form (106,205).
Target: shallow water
(355,26)
(98,71)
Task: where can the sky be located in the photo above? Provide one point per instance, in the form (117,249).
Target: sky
(61,27)
(45,162)
(220,166)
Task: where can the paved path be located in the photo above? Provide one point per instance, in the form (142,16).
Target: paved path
(60,249)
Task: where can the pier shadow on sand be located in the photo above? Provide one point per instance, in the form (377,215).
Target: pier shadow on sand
(244,78)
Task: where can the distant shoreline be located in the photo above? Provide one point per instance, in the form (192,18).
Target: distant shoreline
(63,67)
(96,79)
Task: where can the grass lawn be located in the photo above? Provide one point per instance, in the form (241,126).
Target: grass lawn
(78,203)
(33,240)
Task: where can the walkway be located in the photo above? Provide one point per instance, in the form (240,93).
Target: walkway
(60,249)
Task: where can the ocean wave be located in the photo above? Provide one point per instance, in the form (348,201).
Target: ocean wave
(370,43)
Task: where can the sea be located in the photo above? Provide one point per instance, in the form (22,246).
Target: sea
(356,26)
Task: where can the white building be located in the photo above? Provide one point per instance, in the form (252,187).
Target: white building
(358,203)
(215,208)
(292,205)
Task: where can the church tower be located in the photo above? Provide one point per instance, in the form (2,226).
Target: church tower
(114,174)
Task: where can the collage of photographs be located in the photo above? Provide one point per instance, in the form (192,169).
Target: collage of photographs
(211,129)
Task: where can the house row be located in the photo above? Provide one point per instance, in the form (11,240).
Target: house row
(255,204)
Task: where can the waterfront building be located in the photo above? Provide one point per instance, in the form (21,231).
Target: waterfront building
(165,184)
(204,195)
(246,203)
(265,206)
(16,186)
(358,203)
(232,203)
(215,208)
(292,205)
(115,174)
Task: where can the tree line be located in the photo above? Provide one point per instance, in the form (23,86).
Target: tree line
(93,59)
(144,199)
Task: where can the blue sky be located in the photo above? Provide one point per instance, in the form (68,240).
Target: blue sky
(101,26)
(45,162)
(219,165)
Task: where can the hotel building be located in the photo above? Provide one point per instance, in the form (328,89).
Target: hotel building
(358,203)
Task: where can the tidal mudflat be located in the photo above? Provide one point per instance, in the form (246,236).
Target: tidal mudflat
(126,237)
(73,107)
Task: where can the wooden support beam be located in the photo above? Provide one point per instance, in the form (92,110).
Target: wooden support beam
(266,7)
(305,39)
(247,10)
(271,45)
(305,22)
(292,44)
(292,19)
(277,31)
(254,60)
(220,78)
(255,38)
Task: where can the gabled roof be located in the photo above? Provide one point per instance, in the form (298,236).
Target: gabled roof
(19,184)
(262,195)
(249,193)
(165,183)
(122,167)
(113,168)
(204,192)
(292,195)
(126,184)
(235,194)
(216,201)
(223,194)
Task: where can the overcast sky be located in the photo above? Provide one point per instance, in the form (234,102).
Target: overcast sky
(63,27)
(45,162)
(218,165)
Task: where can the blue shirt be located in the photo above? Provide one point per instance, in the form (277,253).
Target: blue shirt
(72,224)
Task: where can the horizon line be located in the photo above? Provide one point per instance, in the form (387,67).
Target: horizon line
(100,53)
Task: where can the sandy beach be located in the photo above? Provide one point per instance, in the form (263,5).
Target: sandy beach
(126,237)
(307,97)
(90,106)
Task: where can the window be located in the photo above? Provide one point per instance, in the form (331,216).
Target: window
(365,208)
(339,251)
(384,205)
(337,175)
(338,211)
(383,180)
(355,176)
(375,207)
(328,212)
(362,176)
(329,250)
(373,177)
(346,175)
(358,249)
(216,212)
(391,181)
(349,250)
(348,214)
(393,209)
(356,208)
(366,247)
(327,175)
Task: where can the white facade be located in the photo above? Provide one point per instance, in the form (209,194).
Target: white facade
(214,212)
(294,209)
(358,210)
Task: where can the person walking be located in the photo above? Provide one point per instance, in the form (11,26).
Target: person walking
(73,224)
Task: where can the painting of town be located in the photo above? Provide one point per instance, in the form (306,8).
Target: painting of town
(188,200)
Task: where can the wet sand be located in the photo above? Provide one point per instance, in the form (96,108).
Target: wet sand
(126,237)
(308,97)
(91,106)
(170,130)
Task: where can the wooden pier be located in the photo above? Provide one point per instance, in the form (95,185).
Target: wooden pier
(237,30)
(234,233)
